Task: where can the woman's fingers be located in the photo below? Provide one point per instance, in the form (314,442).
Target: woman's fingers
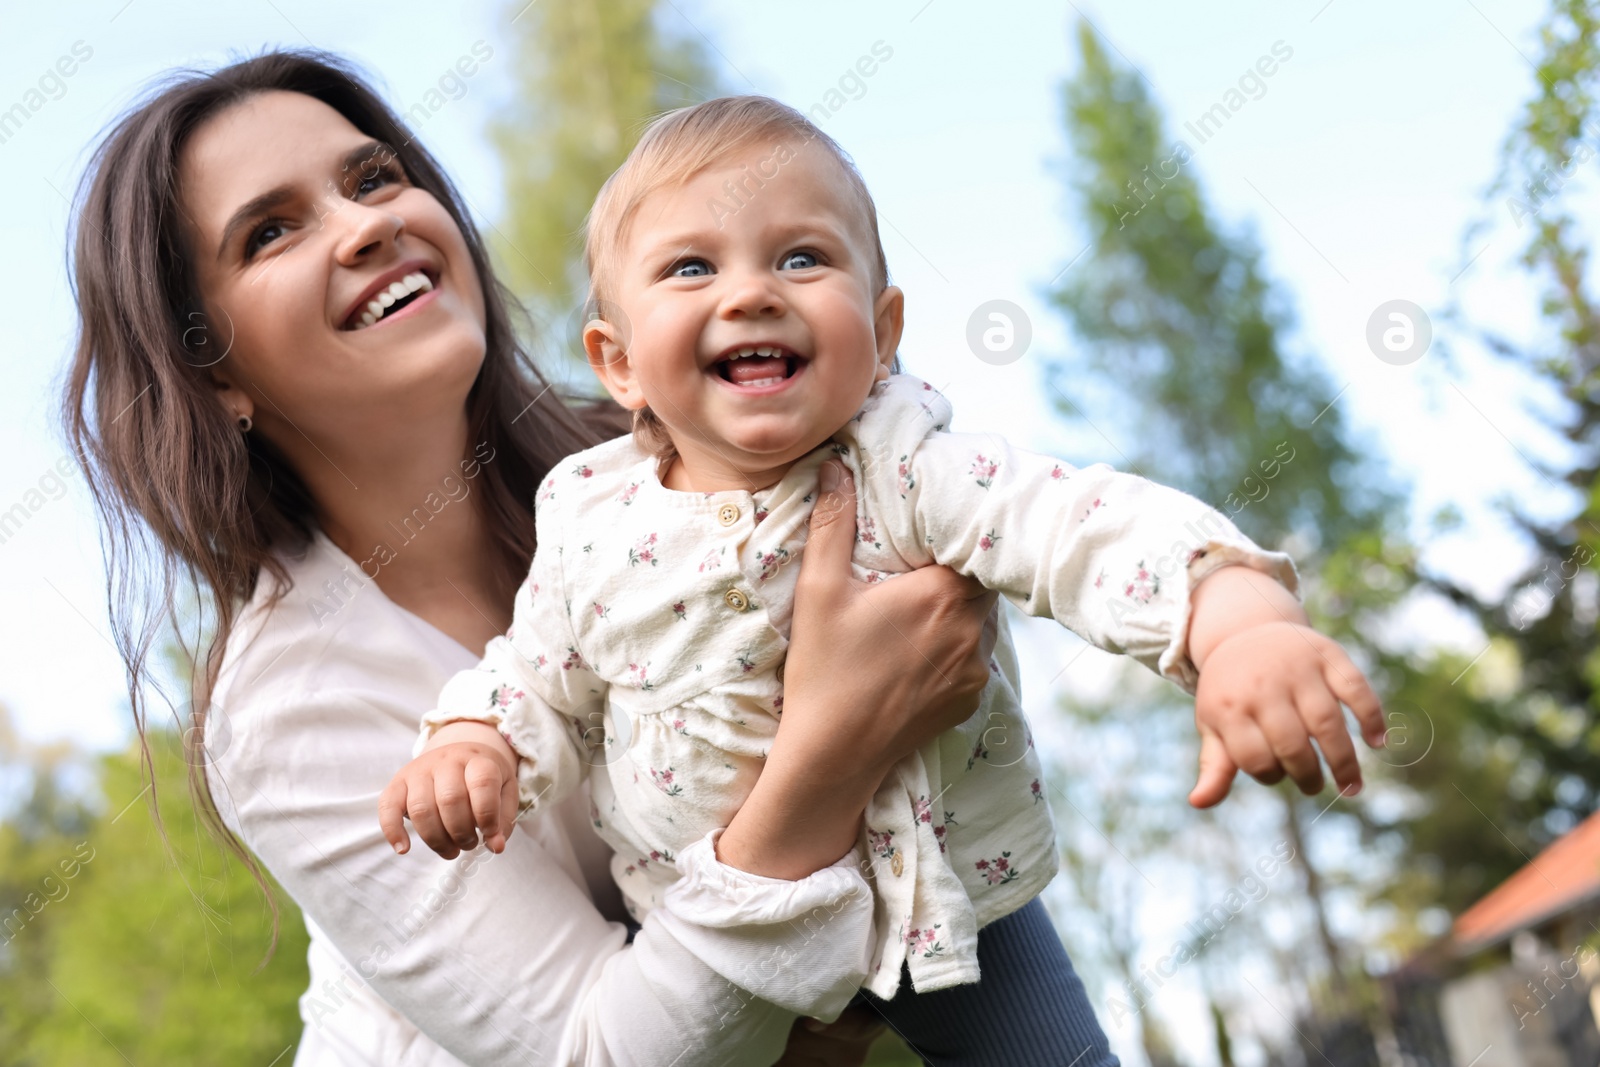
(988,603)
(391,814)
(832,535)
(933,605)
(856,1023)
(844,1043)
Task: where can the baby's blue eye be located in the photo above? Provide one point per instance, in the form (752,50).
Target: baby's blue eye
(691,268)
(798,261)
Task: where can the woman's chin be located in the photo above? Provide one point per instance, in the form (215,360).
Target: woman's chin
(429,371)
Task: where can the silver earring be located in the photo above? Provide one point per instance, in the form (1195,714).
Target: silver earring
(245,425)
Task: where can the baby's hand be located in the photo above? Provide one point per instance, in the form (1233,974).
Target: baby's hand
(1268,684)
(464,781)
(1264,692)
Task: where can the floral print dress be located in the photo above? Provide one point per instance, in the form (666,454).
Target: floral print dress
(647,642)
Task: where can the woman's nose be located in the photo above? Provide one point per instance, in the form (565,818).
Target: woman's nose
(362,230)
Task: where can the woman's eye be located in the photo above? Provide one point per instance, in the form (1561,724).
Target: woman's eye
(798,261)
(384,176)
(373,175)
(264,234)
(691,268)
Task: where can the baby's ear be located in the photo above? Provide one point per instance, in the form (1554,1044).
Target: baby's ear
(888,320)
(607,350)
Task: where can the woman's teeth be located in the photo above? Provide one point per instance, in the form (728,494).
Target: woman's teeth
(386,299)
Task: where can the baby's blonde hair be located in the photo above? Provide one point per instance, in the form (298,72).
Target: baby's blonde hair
(676,147)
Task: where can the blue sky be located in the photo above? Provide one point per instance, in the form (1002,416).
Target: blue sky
(1357,168)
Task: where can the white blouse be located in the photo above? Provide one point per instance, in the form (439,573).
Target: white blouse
(421,962)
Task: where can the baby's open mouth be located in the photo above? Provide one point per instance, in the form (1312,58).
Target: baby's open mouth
(757,365)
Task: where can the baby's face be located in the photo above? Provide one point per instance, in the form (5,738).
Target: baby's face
(753,332)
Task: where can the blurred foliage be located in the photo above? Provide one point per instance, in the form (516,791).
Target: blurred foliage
(120,949)
(1188,344)
(117,946)
(1548,620)
(590,75)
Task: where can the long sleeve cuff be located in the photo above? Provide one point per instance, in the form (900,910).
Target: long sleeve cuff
(534,787)
(1175,662)
(803,945)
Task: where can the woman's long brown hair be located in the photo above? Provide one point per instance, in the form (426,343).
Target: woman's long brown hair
(192,510)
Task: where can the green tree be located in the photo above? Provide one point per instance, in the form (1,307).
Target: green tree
(144,951)
(1548,623)
(1186,339)
(41,828)
(590,75)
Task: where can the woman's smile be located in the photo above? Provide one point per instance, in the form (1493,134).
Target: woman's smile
(393,293)
(318,226)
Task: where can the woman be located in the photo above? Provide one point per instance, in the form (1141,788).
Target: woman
(352,501)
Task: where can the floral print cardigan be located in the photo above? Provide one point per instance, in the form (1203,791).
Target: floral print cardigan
(647,647)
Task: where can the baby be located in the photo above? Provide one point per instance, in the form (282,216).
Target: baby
(745,317)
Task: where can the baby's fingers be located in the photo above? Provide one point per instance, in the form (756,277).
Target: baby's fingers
(425,820)
(1249,749)
(1353,689)
(391,814)
(1320,713)
(1291,743)
(485,787)
(510,804)
(455,804)
(1217,770)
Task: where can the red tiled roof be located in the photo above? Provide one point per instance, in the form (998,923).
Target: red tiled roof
(1565,874)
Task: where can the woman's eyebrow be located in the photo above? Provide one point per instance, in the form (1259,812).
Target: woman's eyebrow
(362,154)
(252,209)
(260,205)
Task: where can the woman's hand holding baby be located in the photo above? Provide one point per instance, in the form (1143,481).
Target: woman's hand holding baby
(1269,683)
(874,671)
(464,782)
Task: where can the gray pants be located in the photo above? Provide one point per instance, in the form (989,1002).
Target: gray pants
(1030,1009)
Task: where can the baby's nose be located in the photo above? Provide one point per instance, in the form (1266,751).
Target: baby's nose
(752,293)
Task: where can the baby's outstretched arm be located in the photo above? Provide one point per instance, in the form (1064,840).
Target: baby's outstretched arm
(464,781)
(1269,683)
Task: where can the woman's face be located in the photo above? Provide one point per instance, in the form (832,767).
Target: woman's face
(294,217)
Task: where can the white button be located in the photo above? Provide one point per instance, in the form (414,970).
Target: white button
(728,514)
